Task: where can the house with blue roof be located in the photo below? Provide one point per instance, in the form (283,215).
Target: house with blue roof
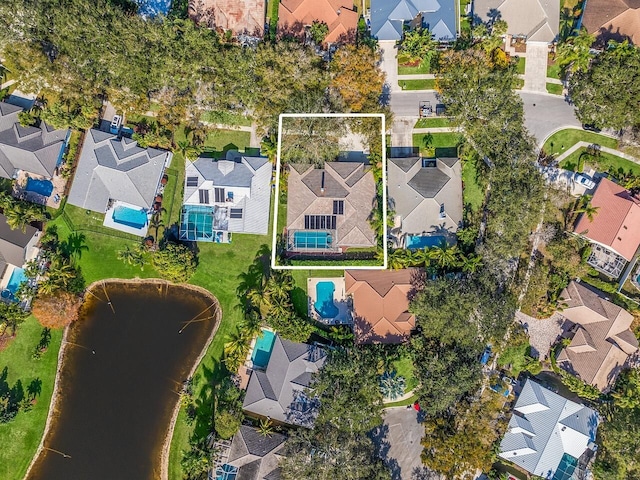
(224,196)
(390,17)
(548,435)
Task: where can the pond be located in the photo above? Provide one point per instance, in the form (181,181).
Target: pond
(115,406)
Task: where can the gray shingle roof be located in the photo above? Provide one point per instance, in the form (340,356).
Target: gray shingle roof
(428,181)
(13,243)
(405,164)
(32,149)
(118,169)
(387,17)
(278,392)
(551,427)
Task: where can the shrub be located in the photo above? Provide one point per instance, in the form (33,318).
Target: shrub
(175,262)
(56,311)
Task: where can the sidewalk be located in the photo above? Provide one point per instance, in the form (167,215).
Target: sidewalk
(611,151)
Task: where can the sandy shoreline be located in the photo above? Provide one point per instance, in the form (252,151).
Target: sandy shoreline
(166,446)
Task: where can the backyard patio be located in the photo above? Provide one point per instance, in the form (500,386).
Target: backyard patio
(38,189)
(328,302)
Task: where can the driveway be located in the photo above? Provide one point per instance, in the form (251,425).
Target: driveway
(535,69)
(389,64)
(402,136)
(398,443)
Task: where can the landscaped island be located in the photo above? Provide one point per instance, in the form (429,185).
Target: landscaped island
(124,364)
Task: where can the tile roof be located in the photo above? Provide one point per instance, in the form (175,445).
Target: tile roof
(32,149)
(388,17)
(613,19)
(239,16)
(602,340)
(118,169)
(544,427)
(278,392)
(616,223)
(381,304)
(339,16)
(538,20)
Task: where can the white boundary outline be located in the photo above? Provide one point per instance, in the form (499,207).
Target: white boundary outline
(384,193)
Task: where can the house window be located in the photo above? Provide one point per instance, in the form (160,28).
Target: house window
(442,214)
(428,162)
(319,222)
(338,207)
(218,194)
(235,213)
(192,181)
(204,196)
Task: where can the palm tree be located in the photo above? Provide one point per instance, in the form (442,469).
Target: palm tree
(399,259)
(444,255)
(471,263)
(265,427)
(391,385)
(236,349)
(19,214)
(252,324)
(131,257)
(155,223)
(586,208)
(574,55)
(187,150)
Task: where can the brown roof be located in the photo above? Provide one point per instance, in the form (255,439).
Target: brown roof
(602,340)
(616,222)
(339,16)
(381,304)
(613,19)
(239,16)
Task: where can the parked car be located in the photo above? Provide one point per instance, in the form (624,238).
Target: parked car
(116,123)
(583,180)
(426,110)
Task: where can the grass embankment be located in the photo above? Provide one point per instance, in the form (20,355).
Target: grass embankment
(603,162)
(226,118)
(567,138)
(435,122)
(520,66)
(553,71)
(440,144)
(427,84)
(20,437)
(554,88)
(472,192)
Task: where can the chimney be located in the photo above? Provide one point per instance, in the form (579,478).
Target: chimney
(322,185)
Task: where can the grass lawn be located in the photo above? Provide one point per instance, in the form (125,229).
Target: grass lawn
(564,139)
(605,162)
(226,118)
(520,66)
(272,10)
(515,356)
(218,142)
(428,84)
(518,83)
(404,368)
(442,144)
(435,122)
(554,88)
(403,403)
(20,437)
(423,67)
(472,192)
(553,71)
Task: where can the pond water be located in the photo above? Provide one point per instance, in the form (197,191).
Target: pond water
(115,405)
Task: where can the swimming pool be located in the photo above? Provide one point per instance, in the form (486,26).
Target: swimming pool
(43,187)
(136,218)
(566,467)
(324,300)
(423,241)
(262,349)
(17,278)
(152,8)
(311,239)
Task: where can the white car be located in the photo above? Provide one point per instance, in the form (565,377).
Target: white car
(116,123)
(584,180)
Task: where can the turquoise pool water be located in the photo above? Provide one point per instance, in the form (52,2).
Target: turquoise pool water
(311,239)
(43,187)
(153,8)
(422,241)
(324,300)
(262,349)
(136,218)
(566,467)
(17,278)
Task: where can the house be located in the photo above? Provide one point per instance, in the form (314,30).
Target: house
(328,208)
(380,304)
(617,20)
(614,229)
(278,391)
(549,435)
(17,247)
(36,150)
(601,340)
(390,17)
(117,177)
(533,20)
(227,195)
(241,17)
(294,16)
(426,195)
(254,456)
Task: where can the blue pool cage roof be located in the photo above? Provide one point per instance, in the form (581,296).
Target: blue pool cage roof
(226,472)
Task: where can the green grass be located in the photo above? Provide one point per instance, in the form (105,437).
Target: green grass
(404,368)
(604,162)
(218,142)
(472,192)
(515,356)
(518,83)
(522,61)
(402,403)
(423,67)
(428,84)
(565,139)
(554,88)
(20,437)
(553,71)
(226,118)
(272,9)
(435,122)
(442,144)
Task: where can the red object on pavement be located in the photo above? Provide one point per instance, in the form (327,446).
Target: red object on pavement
(416,406)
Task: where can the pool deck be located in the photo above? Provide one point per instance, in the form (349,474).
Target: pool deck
(110,223)
(20,185)
(340,300)
(246,368)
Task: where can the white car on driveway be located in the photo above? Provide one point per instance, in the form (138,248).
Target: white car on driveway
(584,180)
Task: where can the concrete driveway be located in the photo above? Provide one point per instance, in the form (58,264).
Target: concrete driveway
(389,64)
(398,442)
(535,69)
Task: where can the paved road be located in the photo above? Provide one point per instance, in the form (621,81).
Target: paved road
(543,113)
